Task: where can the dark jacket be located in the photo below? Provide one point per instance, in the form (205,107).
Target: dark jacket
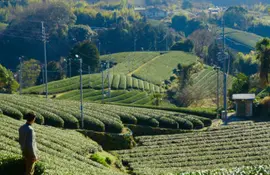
(27,140)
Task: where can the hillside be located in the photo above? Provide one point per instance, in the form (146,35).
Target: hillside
(153,67)
(62,152)
(240,40)
(226,147)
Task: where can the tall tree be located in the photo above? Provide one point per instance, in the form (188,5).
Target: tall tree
(236,17)
(7,82)
(30,72)
(89,54)
(263,55)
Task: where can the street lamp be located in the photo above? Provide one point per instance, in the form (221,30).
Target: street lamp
(81,89)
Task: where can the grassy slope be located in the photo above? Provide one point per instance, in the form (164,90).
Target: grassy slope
(235,145)
(161,68)
(247,39)
(61,151)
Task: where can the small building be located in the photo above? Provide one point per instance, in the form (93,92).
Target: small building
(244,104)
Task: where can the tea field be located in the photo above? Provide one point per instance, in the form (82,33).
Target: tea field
(116,96)
(97,117)
(238,144)
(161,68)
(206,81)
(62,152)
(94,81)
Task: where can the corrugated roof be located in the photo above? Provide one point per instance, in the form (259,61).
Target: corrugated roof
(243,96)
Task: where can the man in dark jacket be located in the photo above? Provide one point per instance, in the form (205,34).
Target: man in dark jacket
(27,140)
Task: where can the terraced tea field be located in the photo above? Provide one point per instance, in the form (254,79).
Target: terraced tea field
(243,38)
(235,145)
(117,82)
(206,81)
(97,117)
(61,151)
(161,68)
(116,96)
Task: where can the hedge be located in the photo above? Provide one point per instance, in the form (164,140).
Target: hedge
(11,112)
(206,121)
(123,82)
(146,86)
(146,120)
(93,124)
(165,122)
(141,84)
(116,81)
(113,126)
(197,124)
(183,123)
(14,165)
(135,83)
(129,82)
(127,118)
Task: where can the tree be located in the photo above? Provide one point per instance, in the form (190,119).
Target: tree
(187,4)
(246,64)
(79,33)
(263,55)
(30,72)
(89,54)
(186,46)
(236,17)
(240,85)
(54,71)
(179,22)
(7,82)
(202,39)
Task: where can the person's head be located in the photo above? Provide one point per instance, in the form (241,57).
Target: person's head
(30,117)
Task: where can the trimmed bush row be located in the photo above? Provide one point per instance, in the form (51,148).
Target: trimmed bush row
(12,112)
(14,164)
(197,124)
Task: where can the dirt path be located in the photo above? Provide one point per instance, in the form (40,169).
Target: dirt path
(140,67)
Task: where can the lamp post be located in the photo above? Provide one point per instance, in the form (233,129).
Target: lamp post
(81,89)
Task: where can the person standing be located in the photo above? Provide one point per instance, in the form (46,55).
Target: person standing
(27,140)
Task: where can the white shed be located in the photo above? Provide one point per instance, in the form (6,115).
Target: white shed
(244,104)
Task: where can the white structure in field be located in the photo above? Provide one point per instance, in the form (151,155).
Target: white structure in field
(244,104)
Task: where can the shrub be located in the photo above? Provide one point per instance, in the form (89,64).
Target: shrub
(11,164)
(98,158)
(11,112)
(146,120)
(165,122)
(116,81)
(197,124)
(135,83)
(129,82)
(206,121)
(93,124)
(113,126)
(127,118)
(183,123)
(123,82)
(141,84)
(146,86)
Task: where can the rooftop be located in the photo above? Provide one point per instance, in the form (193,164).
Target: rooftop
(243,96)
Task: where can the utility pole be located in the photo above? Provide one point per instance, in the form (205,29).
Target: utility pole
(69,67)
(81,90)
(102,82)
(43,76)
(224,67)
(99,47)
(45,55)
(20,58)
(89,72)
(109,85)
(217,69)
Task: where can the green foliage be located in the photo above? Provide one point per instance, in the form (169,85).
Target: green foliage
(8,162)
(166,122)
(263,50)
(12,112)
(97,158)
(197,123)
(7,82)
(186,46)
(89,54)
(30,72)
(236,17)
(240,85)
(246,64)
(179,22)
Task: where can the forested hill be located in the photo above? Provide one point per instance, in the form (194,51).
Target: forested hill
(234,2)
